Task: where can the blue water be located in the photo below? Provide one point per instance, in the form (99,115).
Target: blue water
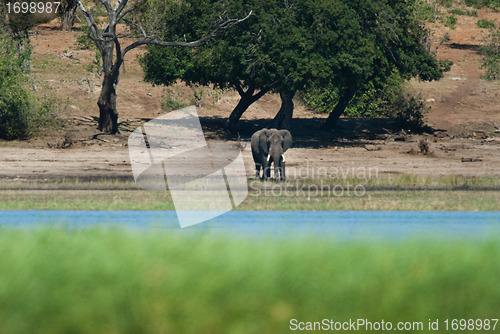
(343,224)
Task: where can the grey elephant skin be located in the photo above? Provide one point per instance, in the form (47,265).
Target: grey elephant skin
(268,147)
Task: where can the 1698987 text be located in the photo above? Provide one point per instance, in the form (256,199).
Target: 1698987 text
(32,7)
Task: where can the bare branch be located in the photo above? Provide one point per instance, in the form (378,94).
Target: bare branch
(106,5)
(131,9)
(222,26)
(119,5)
(138,26)
(92,25)
(124,35)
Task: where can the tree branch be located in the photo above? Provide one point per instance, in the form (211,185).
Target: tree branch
(92,25)
(119,57)
(131,9)
(152,41)
(106,5)
(119,6)
(239,89)
(260,94)
(138,26)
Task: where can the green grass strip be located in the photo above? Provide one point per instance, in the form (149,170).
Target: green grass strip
(98,280)
(270,199)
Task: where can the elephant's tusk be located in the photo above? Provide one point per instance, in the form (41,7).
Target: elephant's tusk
(268,157)
(283,157)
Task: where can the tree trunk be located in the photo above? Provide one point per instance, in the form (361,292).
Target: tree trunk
(339,108)
(68,18)
(4,26)
(247,98)
(107,40)
(284,116)
(108,115)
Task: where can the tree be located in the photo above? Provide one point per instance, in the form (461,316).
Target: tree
(4,26)
(392,40)
(280,49)
(68,14)
(288,46)
(108,42)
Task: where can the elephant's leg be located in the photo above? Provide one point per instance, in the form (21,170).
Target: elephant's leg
(267,168)
(258,166)
(283,176)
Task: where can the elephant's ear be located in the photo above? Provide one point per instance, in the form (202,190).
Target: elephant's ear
(287,139)
(264,140)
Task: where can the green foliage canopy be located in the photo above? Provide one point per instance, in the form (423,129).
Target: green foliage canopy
(289,45)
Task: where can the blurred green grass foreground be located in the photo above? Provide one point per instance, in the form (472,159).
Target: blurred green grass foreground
(111,280)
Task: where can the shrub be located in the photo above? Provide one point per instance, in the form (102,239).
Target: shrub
(457,11)
(409,111)
(425,11)
(446,3)
(14,97)
(493,4)
(172,101)
(491,57)
(21,113)
(451,21)
(483,23)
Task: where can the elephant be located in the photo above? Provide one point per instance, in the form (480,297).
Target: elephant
(268,146)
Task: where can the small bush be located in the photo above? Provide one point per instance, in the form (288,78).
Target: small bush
(424,146)
(483,23)
(14,111)
(491,56)
(451,21)
(409,111)
(493,4)
(426,12)
(457,11)
(446,3)
(171,101)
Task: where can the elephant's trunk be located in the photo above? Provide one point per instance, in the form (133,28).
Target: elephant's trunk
(276,158)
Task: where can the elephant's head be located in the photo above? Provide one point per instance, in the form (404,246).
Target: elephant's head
(274,143)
